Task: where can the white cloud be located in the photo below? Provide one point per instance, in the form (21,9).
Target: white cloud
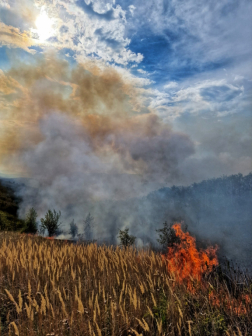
(142,71)
(132,9)
(170,85)
(92,30)
(210,94)
(197,30)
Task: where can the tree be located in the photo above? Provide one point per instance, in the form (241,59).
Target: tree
(31,221)
(51,222)
(2,224)
(41,230)
(88,227)
(73,229)
(125,238)
(167,236)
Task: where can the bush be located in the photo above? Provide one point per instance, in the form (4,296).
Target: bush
(31,221)
(51,222)
(167,236)
(125,238)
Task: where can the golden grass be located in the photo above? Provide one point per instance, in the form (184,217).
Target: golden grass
(58,288)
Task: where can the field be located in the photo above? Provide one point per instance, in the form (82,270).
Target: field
(50,287)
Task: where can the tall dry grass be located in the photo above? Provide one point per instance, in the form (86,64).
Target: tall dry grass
(58,288)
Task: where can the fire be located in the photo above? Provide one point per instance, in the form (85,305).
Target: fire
(50,238)
(237,306)
(188,264)
(185,261)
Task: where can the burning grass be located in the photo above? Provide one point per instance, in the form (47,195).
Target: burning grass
(186,261)
(50,287)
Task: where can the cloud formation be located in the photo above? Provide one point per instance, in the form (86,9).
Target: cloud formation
(13,38)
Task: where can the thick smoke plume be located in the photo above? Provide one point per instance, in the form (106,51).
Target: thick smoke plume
(83,134)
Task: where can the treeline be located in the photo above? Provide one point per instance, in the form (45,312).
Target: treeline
(225,199)
(230,186)
(221,203)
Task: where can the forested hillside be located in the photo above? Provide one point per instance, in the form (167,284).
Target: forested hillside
(228,197)
(9,209)
(216,210)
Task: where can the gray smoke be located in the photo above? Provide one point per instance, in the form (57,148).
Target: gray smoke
(69,172)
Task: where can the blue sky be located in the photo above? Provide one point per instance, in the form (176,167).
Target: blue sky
(191,61)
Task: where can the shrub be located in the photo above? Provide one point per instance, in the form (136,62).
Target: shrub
(125,238)
(167,236)
(51,222)
(31,221)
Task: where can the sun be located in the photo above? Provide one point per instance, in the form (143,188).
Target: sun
(44,26)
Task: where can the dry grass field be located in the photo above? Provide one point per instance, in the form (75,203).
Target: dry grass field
(50,287)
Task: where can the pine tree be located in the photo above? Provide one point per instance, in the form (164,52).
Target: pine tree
(88,227)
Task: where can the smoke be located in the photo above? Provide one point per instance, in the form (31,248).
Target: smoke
(83,134)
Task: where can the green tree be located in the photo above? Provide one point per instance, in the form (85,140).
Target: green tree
(51,222)
(167,236)
(31,221)
(125,238)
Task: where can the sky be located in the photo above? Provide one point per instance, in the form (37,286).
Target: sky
(168,81)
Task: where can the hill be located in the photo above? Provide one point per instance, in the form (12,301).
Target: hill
(9,204)
(216,211)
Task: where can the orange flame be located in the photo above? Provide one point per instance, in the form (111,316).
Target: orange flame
(188,264)
(50,238)
(237,306)
(185,261)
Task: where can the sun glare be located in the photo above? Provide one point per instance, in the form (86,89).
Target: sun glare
(44,26)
